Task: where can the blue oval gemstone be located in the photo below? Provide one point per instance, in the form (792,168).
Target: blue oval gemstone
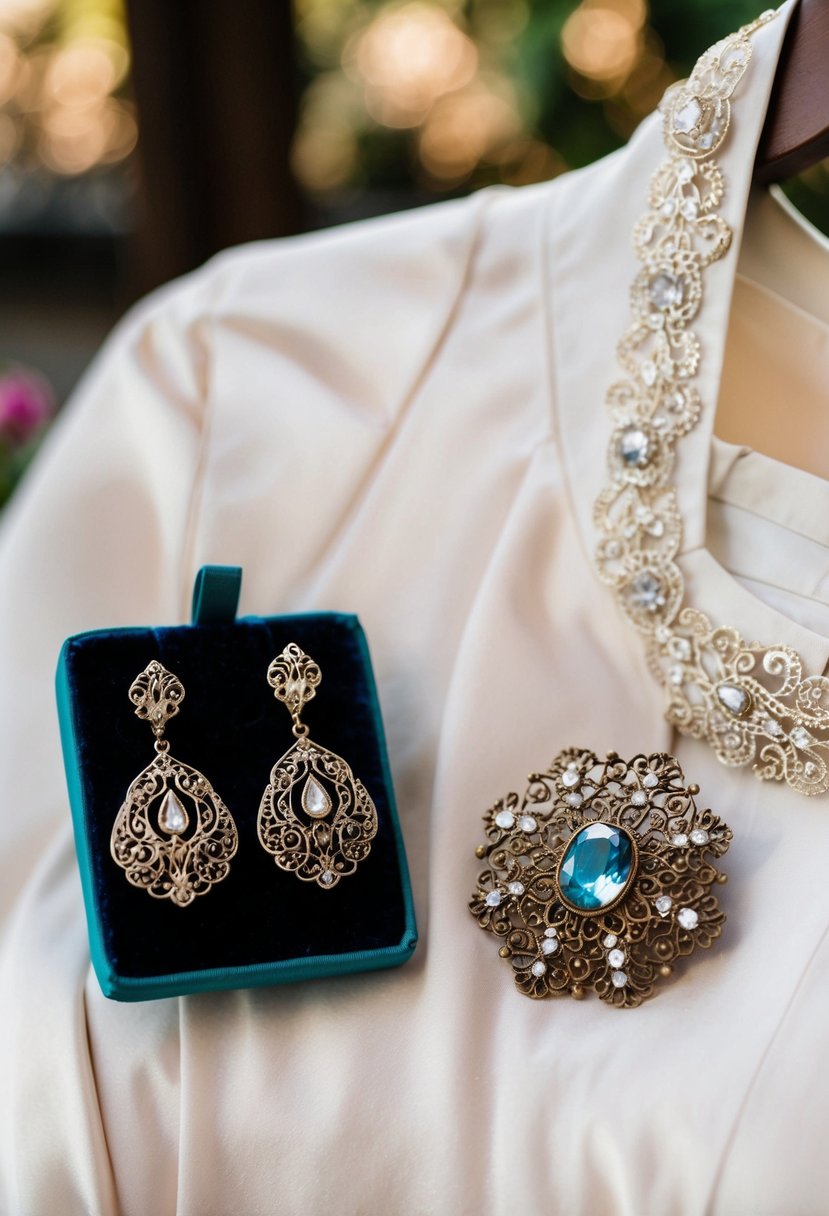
(596,867)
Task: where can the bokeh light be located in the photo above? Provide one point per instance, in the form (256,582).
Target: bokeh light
(407,59)
(465,127)
(63,68)
(601,39)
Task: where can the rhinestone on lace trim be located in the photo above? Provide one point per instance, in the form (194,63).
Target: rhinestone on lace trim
(751,702)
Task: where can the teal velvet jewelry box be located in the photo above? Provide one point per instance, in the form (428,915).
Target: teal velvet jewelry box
(260,925)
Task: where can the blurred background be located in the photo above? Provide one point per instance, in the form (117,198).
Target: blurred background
(138,137)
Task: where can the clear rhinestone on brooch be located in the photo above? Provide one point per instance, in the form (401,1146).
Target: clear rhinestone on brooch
(570,778)
(504,819)
(616,958)
(664,904)
(688,918)
(515,888)
(539,968)
(618,979)
(550,945)
(493,899)
(699,836)
(527,824)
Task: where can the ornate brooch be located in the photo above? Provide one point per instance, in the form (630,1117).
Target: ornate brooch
(600,877)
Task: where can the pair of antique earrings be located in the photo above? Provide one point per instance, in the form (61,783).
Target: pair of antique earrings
(175,838)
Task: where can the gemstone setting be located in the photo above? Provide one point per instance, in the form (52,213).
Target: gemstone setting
(597,867)
(645,591)
(172,817)
(688,117)
(735,699)
(315,799)
(666,291)
(801,738)
(634,447)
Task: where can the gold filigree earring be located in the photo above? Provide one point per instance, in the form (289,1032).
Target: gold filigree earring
(316,819)
(173,837)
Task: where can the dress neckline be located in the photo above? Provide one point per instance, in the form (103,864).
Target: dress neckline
(713,629)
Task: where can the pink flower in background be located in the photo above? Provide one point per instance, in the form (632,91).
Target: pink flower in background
(26,404)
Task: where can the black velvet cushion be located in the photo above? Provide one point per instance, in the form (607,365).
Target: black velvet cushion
(230,728)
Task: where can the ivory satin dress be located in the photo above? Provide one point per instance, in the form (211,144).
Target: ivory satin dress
(405,419)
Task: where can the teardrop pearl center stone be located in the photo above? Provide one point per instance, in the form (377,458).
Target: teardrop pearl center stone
(596,868)
(315,800)
(172,817)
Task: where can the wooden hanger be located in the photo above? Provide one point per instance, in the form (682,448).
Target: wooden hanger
(796,132)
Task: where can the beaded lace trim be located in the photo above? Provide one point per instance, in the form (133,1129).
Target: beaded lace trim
(751,702)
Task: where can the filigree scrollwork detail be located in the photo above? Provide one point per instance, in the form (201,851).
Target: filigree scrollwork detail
(751,703)
(157,695)
(294,678)
(316,819)
(173,836)
(661,909)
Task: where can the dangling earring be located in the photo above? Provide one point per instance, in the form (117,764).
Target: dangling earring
(173,837)
(324,833)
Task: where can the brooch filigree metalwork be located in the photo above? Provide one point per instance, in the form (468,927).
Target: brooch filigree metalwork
(600,877)
(751,702)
